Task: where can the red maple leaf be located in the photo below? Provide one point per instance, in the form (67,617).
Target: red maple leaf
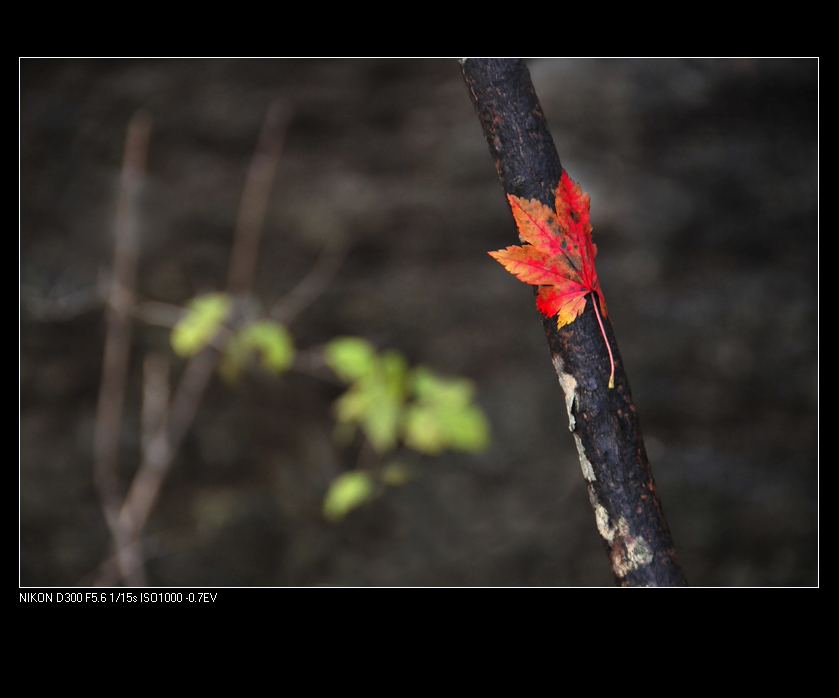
(558,255)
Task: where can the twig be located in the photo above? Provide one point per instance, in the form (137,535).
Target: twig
(109,407)
(313,284)
(603,421)
(162,447)
(255,196)
(165,426)
(160,314)
(155,408)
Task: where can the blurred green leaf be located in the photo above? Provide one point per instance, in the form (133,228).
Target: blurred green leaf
(376,395)
(269,340)
(430,387)
(396,474)
(443,416)
(272,342)
(346,492)
(387,401)
(350,357)
(201,323)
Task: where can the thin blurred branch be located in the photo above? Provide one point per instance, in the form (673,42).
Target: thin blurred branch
(314,283)
(155,408)
(160,314)
(165,424)
(250,221)
(162,446)
(111,400)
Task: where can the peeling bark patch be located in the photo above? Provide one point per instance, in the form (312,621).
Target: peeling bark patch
(585,464)
(601,516)
(569,387)
(629,552)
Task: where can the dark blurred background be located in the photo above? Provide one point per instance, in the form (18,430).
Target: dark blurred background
(704,190)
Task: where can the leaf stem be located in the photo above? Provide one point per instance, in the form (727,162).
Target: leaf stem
(595,301)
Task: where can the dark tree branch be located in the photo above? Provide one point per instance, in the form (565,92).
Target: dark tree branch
(603,421)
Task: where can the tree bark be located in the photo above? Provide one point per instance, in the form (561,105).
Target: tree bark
(603,421)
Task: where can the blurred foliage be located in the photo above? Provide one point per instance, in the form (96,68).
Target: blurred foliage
(356,487)
(346,492)
(443,415)
(389,402)
(396,473)
(203,320)
(267,339)
(386,399)
(378,388)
